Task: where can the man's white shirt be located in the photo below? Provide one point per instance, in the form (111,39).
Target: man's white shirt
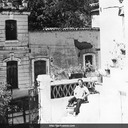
(80,92)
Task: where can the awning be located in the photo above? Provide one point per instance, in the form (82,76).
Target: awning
(82,45)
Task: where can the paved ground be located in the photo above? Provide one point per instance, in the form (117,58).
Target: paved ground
(105,107)
(89,112)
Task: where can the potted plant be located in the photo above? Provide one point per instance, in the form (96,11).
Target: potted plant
(114,61)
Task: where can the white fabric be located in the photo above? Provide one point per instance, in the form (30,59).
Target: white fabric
(80,92)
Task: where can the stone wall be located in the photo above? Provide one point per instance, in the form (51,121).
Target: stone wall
(59,45)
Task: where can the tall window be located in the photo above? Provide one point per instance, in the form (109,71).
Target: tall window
(12,74)
(11,30)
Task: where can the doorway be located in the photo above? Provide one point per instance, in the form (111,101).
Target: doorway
(39,66)
(12,74)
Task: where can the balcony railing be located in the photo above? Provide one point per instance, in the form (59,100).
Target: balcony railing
(65,88)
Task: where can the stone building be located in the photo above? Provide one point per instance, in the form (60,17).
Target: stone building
(57,48)
(14,51)
(25,54)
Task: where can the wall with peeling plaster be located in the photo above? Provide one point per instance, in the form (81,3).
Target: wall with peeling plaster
(59,45)
(56,45)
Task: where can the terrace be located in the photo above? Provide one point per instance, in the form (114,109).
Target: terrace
(107,106)
(22,107)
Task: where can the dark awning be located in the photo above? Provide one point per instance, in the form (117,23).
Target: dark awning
(82,45)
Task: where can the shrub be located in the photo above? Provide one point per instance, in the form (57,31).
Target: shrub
(5,97)
(59,73)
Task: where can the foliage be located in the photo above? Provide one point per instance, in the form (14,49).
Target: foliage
(76,69)
(5,97)
(94,1)
(59,73)
(59,13)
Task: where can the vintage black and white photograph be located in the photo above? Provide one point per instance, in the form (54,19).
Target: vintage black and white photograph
(63,62)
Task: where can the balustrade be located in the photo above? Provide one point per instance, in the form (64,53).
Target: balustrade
(64,88)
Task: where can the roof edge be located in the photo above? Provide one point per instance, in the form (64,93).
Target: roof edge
(65,29)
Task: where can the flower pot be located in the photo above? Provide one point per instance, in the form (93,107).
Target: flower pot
(107,71)
(114,60)
(123,51)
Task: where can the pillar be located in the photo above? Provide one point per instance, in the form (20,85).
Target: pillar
(45,112)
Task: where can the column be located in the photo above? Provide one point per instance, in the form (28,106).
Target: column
(45,112)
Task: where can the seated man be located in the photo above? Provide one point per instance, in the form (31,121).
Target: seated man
(80,94)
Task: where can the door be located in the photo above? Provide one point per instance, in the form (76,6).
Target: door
(12,74)
(39,68)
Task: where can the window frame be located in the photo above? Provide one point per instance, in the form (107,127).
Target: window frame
(8,24)
(13,87)
(12,58)
(93,59)
(47,68)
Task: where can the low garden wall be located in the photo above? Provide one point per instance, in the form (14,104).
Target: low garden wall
(53,96)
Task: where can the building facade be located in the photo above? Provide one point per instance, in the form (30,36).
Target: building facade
(26,54)
(14,52)
(58,48)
